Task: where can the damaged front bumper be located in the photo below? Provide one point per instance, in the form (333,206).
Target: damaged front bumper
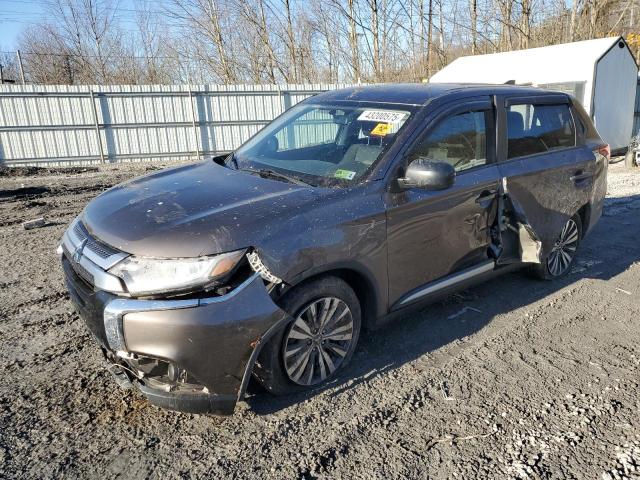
(193,355)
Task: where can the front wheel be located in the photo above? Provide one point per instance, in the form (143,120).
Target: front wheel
(317,344)
(559,260)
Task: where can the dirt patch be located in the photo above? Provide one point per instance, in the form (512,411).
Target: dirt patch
(514,378)
(40,171)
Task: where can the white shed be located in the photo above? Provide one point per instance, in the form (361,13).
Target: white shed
(601,73)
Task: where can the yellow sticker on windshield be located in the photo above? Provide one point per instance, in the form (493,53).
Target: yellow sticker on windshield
(344,174)
(381,129)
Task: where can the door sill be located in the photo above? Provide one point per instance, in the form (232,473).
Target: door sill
(445,282)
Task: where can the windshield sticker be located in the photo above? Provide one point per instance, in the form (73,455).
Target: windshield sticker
(382,129)
(386,116)
(344,174)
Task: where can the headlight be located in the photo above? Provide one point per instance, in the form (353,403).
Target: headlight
(148,276)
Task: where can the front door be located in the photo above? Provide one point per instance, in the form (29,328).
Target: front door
(431,234)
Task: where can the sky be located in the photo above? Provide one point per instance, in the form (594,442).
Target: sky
(15,15)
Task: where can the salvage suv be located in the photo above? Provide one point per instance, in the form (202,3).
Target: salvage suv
(353,205)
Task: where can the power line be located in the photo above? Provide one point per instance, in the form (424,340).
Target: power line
(47,4)
(81,55)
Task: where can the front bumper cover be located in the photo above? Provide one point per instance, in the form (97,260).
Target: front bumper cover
(216,340)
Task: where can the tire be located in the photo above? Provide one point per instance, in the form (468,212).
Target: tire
(554,264)
(276,368)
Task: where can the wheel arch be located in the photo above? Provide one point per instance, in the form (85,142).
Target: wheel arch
(584,212)
(362,282)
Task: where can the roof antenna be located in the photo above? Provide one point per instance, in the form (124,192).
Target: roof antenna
(510,82)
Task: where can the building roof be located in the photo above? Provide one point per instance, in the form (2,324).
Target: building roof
(570,60)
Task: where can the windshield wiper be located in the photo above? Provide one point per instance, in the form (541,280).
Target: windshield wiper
(267,173)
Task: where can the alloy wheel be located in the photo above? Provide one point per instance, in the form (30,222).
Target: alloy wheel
(318,341)
(564,249)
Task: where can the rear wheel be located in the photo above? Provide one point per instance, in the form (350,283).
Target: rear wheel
(317,343)
(559,260)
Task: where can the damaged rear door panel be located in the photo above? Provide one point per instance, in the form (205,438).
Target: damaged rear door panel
(547,174)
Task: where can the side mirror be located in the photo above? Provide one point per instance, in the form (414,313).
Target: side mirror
(219,159)
(428,174)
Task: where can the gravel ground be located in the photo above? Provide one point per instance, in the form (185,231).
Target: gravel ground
(511,379)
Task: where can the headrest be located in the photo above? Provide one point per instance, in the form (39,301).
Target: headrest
(515,124)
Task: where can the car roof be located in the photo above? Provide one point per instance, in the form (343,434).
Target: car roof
(420,93)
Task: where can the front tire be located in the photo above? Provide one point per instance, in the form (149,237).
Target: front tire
(558,262)
(317,344)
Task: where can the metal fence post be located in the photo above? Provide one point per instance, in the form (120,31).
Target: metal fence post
(195,122)
(21,67)
(97,125)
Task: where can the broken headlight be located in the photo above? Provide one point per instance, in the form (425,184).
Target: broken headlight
(148,276)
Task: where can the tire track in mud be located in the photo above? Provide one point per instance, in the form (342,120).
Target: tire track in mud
(37,303)
(30,194)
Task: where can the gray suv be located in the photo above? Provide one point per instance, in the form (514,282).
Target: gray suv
(268,263)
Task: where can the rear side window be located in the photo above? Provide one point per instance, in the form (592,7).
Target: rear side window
(460,140)
(536,129)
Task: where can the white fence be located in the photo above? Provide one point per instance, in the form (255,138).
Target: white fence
(81,125)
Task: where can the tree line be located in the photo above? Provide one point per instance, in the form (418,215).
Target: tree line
(294,41)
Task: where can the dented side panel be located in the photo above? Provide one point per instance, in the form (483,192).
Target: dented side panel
(544,192)
(347,230)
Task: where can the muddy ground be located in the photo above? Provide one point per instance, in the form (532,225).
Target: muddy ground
(514,378)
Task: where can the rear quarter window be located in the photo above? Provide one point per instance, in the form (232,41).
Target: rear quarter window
(534,129)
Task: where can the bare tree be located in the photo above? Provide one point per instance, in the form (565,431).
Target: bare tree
(276,41)
(473,7)
(353,42)
(291,44)
(204,18)
(9,67)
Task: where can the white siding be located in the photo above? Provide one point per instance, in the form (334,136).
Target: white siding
(569,62)
(616,77)
(615,91)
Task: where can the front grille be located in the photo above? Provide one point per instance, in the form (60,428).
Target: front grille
(88,303)
(80,231)
(79,269)
(97,247)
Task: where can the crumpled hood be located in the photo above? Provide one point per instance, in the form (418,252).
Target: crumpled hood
(200,209)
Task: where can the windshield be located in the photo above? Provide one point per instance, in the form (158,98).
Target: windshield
(323,144)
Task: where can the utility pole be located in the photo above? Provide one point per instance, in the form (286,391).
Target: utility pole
(1,76)
(20,65)
(429,37)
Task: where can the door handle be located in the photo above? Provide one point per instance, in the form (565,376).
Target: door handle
(486,197)
(580,176)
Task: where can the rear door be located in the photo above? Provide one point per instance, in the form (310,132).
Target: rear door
(547,171)
(432,234)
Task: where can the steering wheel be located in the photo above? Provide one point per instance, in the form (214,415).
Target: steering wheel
(543,142)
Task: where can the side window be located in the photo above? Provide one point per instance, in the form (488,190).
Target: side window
(460,140)
(536,129)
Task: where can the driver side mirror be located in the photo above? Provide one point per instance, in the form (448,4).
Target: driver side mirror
(428,175)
